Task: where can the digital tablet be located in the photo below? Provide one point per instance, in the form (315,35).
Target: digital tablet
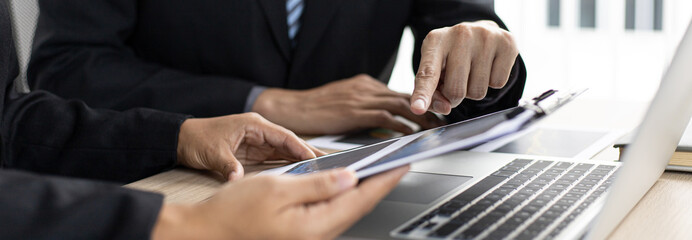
(386,155)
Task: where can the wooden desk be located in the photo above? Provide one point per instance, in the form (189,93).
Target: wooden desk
(665,212)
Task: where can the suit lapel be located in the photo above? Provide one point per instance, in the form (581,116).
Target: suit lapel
(315,20)
(275,12)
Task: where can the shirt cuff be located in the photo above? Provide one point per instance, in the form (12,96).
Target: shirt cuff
(252,97)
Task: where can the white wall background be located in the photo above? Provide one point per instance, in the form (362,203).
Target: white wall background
(614,63)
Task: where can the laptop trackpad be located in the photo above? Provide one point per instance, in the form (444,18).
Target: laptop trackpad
(423,188)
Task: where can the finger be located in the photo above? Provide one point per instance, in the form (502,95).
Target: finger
(440,104)
(347,208)
(284,156)
(317,151)
(390,93)
(383,119)
(370,85)
(457,72)
(286,141)
(480,72)
(429,70)
(502,67)
(400,106)
(317,187)
(229,166)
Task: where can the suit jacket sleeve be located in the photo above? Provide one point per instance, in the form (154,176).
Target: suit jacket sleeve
(36,207)
(46,134)
(432,14)
(84,43)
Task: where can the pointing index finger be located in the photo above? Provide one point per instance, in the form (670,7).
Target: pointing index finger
(429,70)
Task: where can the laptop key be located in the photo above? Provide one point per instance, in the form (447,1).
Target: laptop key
(540,224)
(578,172)
(583,166)
(494,197)
(534,188)
(532,209)
(530,172)
(559,208)
(605,167)
(562,165)
(528,234)
(537,185)
(446,229)
(600,171)
(564,181)
(579,190)
(527,191)
(456,222)
(539,202)
(523,215)
(548,176)
(592,180)
(484,204)
(522,161)
(453,204)
(504,174)
(506,207)
(446,212)
(540,164)
(546,196)
(550,214)
(498,234)
(566,201)
(503,191)
(570,175)
(516,181)
(558,187)
(481,225)
(511,168)
(572,195)
(595,176)
(585,184)
(479,188)
(541,181)
(412,226)
(430,225)
(510,185)
(466,216)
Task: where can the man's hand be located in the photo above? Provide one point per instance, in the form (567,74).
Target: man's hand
(342,106)
(315,206)
(460,62)
(224,144)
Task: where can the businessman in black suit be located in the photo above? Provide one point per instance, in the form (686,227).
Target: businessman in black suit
(43,134)
(313,66)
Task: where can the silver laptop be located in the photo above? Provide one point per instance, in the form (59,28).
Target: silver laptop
(469,195)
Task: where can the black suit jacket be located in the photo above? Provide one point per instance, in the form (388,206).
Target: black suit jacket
(202,57)
(42,133)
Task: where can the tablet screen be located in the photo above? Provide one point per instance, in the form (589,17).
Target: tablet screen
(427,141)
(435,138)
(339,159)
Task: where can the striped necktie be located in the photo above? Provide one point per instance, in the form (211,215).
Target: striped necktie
(294,8)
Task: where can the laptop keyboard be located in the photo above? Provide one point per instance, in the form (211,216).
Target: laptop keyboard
(525,199)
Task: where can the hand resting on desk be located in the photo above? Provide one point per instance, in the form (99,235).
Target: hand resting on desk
(350,104)
(314,206)
(224,144)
